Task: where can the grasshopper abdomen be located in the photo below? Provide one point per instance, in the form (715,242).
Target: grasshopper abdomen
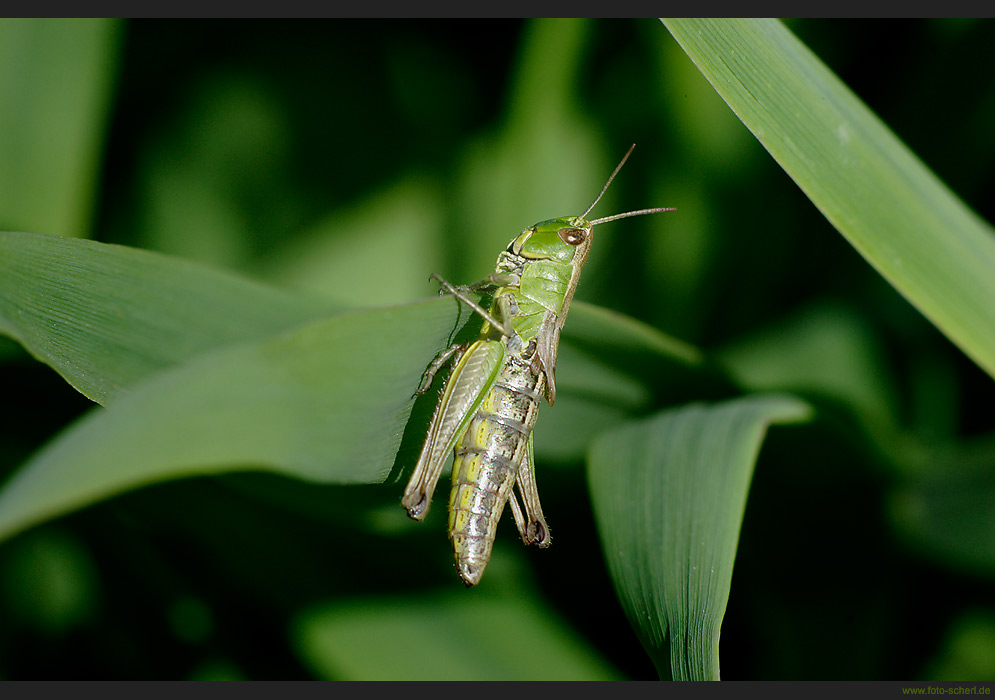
(487,461)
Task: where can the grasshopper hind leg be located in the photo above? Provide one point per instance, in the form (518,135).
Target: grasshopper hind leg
(471,378)
(532,531)
(530,521)
(422,483)
(418,493)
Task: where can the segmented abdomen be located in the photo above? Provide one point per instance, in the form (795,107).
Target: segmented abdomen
(487,459)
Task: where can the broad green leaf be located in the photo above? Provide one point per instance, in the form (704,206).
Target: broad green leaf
(327,402)
(892,209)
(669,494)
(591,395)
(56,79)
(106,316)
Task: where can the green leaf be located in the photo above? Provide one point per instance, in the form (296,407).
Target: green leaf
(106,316)
(327,402)
(669,494)
(892,209)
(56,79)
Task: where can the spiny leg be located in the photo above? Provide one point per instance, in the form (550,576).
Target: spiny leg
(516,511)
(421,485)
(437,364)
(492,281)
(531,525)
(470,379)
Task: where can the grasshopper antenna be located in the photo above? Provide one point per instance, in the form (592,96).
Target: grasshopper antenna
(613,217)
(610,178)
(640,212)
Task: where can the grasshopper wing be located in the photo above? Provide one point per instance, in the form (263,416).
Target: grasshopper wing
(547,347)
(471,380)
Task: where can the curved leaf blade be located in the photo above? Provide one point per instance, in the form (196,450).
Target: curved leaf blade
(325,402)
(107,316)
(905,222)
(669,494)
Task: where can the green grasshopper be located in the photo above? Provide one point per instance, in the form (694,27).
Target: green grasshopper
(490,401)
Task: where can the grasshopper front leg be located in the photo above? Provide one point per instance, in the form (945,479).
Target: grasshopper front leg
(460,294)
(494,280)
(491,281)
(437,363)
(459,291)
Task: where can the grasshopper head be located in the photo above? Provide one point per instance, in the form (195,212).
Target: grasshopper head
(560,239)
(568,238)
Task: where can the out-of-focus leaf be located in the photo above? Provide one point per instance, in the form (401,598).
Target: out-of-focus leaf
(379,252)
(547,160)
(669,494)
(934,250)
(106,316)
(943,509)
(827,350)
(459,635)
(968,652)
(594,325)
(55,85)
(50,582)
(212,184)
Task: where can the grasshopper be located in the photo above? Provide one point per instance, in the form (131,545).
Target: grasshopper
(491,399)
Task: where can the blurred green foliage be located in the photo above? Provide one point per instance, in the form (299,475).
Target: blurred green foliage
(348,160)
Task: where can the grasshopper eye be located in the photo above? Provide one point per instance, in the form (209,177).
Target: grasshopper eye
(572,236)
